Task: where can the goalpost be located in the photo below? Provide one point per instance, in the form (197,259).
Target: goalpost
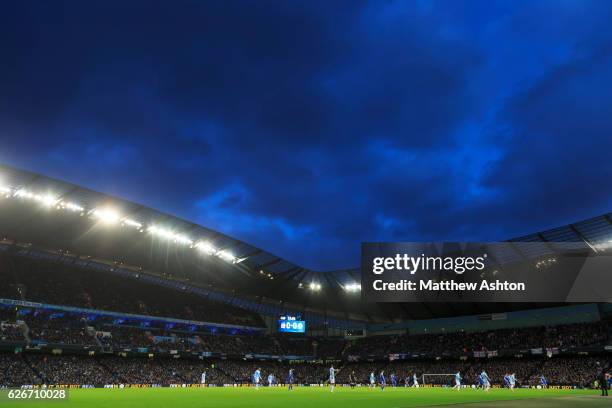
(431,376)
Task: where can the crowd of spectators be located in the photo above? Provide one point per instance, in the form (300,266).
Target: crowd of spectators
(571,370)
(141,371)
(124,337)
(331,347)
(58,329)
(133,337)
(59,284)
(62,285)
(564,336)
(298,346)
(68,370)
(10,330)
(17,369)
(76,328)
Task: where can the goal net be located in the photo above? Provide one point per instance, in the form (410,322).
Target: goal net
(438,379)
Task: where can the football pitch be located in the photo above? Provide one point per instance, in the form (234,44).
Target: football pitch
(320,398)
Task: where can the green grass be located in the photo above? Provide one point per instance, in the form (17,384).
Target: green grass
(304,397)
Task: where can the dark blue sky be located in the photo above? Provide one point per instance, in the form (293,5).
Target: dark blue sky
(307,127)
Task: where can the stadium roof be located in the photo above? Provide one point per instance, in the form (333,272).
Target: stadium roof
(55,215)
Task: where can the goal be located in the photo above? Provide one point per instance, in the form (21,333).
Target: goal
(435,378)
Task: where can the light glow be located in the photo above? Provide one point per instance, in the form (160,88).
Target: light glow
(132,223)
(314,286)
(71,206)
(22,193)
(238,260)
(111,217)
(106,216)
(227,255)
(206,247)
(352,287)
(605,245)
(47,200)
(170,235)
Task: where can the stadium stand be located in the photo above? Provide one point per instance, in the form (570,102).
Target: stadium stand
(575,335)
(127,302)
(165,351)
(38,326)
(61,285)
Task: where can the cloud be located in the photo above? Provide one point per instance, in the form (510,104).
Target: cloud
(561,128)
(307,128)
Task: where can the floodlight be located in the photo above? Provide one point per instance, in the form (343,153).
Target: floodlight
(48,200)
(72,206)
(23,193)
(169,235)
(132,223)
(226,255)
(106,216)
(182,239)
(352,287)
(206,247)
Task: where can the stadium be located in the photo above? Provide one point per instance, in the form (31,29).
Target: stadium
(298,204)
(121,304)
